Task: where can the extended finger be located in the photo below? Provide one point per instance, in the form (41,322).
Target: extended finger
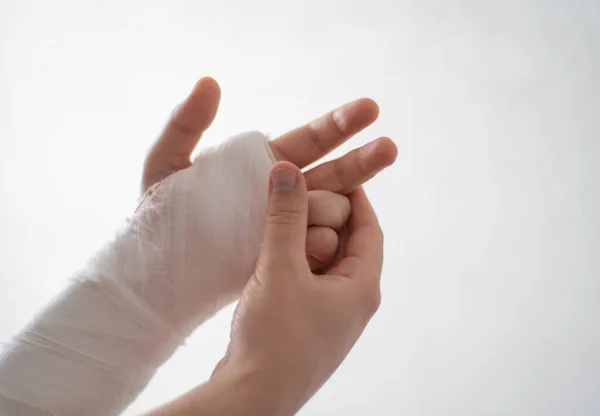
(173,148)
(354,168)
(307,144)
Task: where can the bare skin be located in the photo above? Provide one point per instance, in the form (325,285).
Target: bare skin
(292,328)
(327,183)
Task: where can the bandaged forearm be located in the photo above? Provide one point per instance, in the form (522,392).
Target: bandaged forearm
(187,251)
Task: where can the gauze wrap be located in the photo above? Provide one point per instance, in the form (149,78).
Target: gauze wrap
(187,251)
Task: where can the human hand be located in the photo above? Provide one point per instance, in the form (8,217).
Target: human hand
(292,328)
(327,211)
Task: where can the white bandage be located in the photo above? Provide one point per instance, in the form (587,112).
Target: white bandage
(188,251)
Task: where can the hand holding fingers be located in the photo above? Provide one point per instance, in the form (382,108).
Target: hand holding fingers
(363,256)
(327,213)
(292,328)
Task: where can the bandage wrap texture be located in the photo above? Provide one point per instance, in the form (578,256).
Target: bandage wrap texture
(187,251)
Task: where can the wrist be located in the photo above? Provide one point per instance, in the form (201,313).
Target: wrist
(233,391)
(239,392)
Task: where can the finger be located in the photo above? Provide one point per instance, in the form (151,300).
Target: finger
(173,148)
(353,169)
(328,209)
(314,140)
(287,212)
(190,119)
(321,247)
(364,248)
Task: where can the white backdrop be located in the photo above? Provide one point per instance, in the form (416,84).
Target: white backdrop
(491,286)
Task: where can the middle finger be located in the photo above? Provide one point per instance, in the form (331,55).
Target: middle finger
(344,174)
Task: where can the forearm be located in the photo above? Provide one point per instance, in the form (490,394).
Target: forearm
(90,352)
(170,268)
(241,393)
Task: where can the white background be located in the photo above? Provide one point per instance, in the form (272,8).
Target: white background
(491,287)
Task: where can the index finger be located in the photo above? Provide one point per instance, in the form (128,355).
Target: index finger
(364,249)
(307,144)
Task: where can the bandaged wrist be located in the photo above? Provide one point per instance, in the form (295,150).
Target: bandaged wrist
(187,251)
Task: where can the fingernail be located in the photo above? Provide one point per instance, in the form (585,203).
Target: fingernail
(284,179)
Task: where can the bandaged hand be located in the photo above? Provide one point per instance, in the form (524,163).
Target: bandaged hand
(232,177)
(186,252)
(328,210)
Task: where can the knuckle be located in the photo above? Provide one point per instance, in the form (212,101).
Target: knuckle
(360,164)
(330,239)
(283,216)
(338,207)
(340,174)
(321,242)
(180,128)
(328,209)
(338,126)
(316,139)
(344,209)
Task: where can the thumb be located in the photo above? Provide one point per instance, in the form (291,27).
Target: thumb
(287,215)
